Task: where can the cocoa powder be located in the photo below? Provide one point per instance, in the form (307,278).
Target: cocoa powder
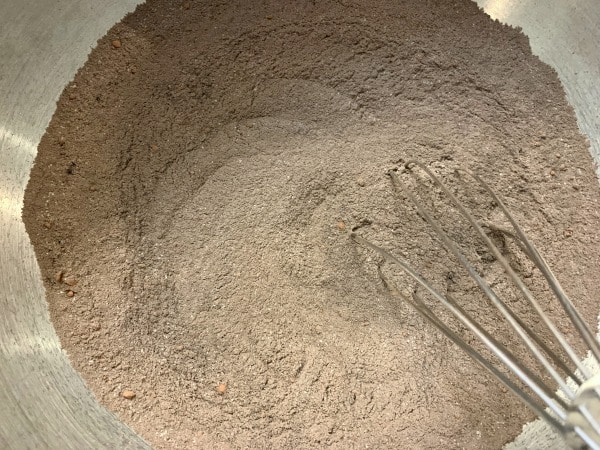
(202,172)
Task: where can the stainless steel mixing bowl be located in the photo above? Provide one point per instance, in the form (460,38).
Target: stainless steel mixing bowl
(43,401)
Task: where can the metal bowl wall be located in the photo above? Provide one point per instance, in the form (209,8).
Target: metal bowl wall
(43,401)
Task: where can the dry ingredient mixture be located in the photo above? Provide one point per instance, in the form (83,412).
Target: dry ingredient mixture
(191,199)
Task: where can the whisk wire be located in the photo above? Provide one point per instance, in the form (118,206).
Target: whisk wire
(582,327)
(489,292)
(557,406)
(419,305)
(511,273)
(577,417)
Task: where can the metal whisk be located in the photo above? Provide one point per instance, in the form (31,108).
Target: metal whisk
(573,410)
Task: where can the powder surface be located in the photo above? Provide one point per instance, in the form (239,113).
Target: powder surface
(191,201)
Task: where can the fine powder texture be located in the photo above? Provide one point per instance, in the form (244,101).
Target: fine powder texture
(191,201)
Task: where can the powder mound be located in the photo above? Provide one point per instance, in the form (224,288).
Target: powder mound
(200,180)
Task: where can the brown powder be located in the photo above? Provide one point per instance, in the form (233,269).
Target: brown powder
(196,186)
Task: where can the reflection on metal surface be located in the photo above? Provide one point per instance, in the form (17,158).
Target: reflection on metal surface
(566,35)
(498,9)
(43,401)
(12,143)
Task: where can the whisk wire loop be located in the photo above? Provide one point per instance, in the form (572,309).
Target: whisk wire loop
(575,413)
